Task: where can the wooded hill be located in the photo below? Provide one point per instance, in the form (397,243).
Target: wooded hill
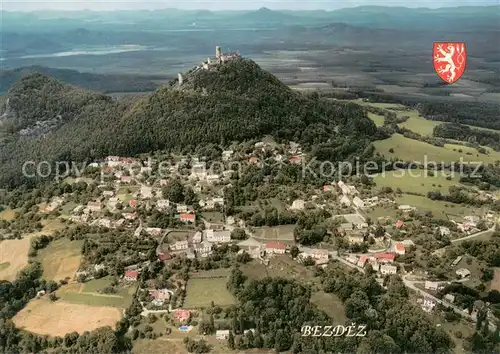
(239,102)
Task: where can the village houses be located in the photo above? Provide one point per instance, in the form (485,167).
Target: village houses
(187,218)
(217,236)
(388,269)
(275,248)
(179,246)
(131,275)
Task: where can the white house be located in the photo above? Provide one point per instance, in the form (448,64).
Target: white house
(197,237)
(298,204)
(146,192)
(226,155)
(345,201)
(217,236)
(163,204)
(431,285)
(472,218)
(406,208)
(449,297)
(213,178)
(343,187)
(388,269)
(352,259)
(203,249)
(428,304)
(179,246)
(181,208)
(463,272)
(222,334)
(153,231)
(94,206)
(358,202)
(444,231)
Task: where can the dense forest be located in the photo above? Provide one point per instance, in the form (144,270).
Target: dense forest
(239,102)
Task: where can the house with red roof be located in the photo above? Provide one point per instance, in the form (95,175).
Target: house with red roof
(275,247)
(164,256)
(253,160)
(362,261)
(296,159)
(399,224)
(125,179)
(131,275)
(187,218)
(327,188)
(182,315)
(130,216)
(132,203)
(399,248)
(385,257)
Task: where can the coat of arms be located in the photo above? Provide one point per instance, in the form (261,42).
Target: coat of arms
(449,60)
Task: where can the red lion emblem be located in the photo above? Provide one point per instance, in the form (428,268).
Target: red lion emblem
(449,60)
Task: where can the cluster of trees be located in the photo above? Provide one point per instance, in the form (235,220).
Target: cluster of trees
(393,323)
(311,228)
(275,308)
(176,192)
(113,248)
(486,250)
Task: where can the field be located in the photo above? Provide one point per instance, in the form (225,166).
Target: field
(125,193)
(213,216)
(200,293)
(418,151)
(419,125)
(416,181)
(158,346)
(68,208)
(331,305)
(377,119)
(7,214)
(87,294)
(283,232)
(45,317)
(440,209)
(13,257)
(51,225)
(60,259)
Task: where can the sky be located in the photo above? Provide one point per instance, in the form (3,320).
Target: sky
(103,5)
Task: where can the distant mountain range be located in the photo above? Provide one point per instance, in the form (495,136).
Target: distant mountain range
(96,82)
(371,16)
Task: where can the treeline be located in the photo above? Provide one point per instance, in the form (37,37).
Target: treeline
(242,103)
(465,133)
(481,114)
(458,196)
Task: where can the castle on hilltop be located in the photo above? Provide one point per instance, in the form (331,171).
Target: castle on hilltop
(220,58)
(211,64)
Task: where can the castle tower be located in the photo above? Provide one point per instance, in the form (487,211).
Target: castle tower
(180,78)
(218,52)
